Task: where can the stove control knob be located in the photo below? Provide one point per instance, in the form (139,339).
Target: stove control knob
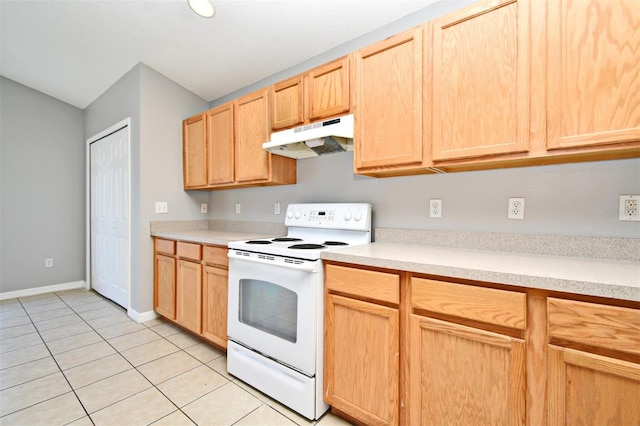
(297,214)
(357,216)
(290,214)
(347,216)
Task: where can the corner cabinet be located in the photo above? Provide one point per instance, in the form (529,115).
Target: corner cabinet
(593,68)
(362,344)
(222,148)
(388,105)
(190,287)
(480,81)
(320,93)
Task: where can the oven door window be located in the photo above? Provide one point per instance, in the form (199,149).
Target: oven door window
(269,307)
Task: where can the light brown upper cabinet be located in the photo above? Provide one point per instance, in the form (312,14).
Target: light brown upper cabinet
(593,72)
(480,81)
(194,152)
(320,93)
(220,142)
(388,105)
(223,147)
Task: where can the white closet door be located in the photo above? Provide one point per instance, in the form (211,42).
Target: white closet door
(110,216)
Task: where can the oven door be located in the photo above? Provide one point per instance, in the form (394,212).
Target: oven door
(273,307)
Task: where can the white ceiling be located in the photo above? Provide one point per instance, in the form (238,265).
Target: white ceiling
(74,50)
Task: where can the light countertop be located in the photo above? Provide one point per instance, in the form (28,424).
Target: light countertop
(595,277)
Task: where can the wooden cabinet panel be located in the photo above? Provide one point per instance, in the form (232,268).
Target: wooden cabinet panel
(329,89)
(165,246)
(251,161)
(287,103)
(164,300)
(461,375)
(592,72)
(362,283)
(220,142)
(590,389)
(189,250)
(214,305)
(388,102)
(480,80)
(362,359)
(492,306)
(215,255)
(194,152)
(592,324)
(189,295)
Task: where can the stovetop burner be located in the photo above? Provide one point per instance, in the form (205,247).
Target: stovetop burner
(286,239)
(258,242)
(306,246)
(335,243)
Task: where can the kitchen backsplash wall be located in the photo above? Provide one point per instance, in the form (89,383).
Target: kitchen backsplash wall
(570,199)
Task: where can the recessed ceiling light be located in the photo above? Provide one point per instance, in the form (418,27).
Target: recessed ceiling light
(203,8)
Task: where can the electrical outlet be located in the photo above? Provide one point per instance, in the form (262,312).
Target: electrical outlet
(238,208)
(629,208)
(162,207)
(48,262)
(516,208)
(204,208)
(435,208)
(276,207)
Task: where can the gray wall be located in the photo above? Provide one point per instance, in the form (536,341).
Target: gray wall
(42,189)
(572,199)
(157,107)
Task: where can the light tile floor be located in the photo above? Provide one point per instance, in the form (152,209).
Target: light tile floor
(73,357)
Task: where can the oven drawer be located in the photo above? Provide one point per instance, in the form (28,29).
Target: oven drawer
(189,250)
(375,285)
(215,255)
(165,246)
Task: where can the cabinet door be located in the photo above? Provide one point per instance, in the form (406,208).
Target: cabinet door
(214,305)
(590,389)
(164,296)
(287,103)
(329,90)
(593,68)
(220,144)
(362,360)
(461,375)
(388,102)
(194,152)
(251,161)
(189,295)
(480,80)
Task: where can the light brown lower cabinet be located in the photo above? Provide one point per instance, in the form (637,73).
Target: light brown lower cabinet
(190,287)
(440,352)
(462,375)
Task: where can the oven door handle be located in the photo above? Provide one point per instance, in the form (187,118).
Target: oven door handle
(305,266)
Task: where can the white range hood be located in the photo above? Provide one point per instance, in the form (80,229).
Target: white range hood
(310,140)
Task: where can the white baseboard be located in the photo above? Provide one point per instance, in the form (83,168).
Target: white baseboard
(141,316)
(41,290)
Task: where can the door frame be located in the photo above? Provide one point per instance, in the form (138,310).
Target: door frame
(124,124)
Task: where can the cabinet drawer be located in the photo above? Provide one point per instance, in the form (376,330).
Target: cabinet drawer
(190,250)
(215,255)
(367,284)
(500,307)
(165,246)
(609,327)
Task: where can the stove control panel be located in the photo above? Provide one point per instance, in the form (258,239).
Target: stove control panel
(354,216)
